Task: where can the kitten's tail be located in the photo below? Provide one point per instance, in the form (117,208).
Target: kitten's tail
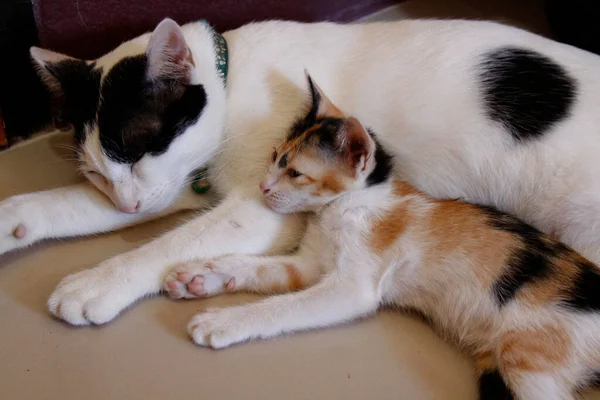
(492,387)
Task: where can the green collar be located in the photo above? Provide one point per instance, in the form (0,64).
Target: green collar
(221,52)
(200,183)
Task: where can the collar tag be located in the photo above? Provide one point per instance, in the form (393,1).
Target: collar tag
(200,183)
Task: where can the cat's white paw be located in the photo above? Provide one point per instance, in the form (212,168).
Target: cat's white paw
(20,223)
(194,280)
(93,296)
(219,328)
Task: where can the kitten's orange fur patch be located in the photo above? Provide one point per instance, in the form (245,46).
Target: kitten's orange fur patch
(385,231)
(332,183)
(535,350)
(294,278)
(455,225)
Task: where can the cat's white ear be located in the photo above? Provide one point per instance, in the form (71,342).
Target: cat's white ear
(169,56)
(358,146)
(321,106)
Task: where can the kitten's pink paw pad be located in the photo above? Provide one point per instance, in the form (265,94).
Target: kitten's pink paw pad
(197,280)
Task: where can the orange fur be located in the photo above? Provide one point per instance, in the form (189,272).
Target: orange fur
(540,349)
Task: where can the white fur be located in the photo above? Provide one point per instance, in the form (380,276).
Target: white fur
(411,81)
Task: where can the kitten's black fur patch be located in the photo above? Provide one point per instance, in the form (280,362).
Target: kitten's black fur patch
(139,116)
(492,387)
(585,292)
(525,91)
(534,261)
(283,161)
(383,164)
(76,101)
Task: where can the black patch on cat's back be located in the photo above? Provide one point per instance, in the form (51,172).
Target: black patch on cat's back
(492,387)
(525,91)
(139,116)
(533,261)
(584,295)
(77,100)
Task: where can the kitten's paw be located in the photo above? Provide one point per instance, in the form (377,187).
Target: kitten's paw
(93,296)
(20,223)
(219,328)
(194,280)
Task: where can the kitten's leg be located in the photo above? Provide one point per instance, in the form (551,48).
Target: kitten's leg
(239,224)
(242,273)
(75,210)
(331,301)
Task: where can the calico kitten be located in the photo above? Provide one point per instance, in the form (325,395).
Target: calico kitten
(524,306)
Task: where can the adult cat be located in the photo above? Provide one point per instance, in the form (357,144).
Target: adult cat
(475,110)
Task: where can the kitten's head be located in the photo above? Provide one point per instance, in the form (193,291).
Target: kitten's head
(145,115)
(325,154)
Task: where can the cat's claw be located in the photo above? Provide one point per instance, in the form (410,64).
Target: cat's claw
(193,280)
(94,296)
(219,328)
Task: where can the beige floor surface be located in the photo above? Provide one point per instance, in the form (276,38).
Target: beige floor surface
(145,353)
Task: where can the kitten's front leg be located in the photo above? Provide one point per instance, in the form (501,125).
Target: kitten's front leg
(242,273)
(331,301)
(68,211)
(238,225)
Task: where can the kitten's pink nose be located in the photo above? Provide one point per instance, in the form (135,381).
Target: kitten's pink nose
(264,188)
(129,209)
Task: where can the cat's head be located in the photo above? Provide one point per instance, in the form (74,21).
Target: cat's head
(325,154)
(144,115)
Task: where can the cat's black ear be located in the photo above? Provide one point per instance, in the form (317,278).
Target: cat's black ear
(73,85)
(356,144)
(169,56)
(321,106)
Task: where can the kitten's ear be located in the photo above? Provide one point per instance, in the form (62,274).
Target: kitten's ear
(357,145)
(321,106)
(169,56)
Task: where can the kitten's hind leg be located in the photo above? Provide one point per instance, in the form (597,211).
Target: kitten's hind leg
(242,273)
(539,386)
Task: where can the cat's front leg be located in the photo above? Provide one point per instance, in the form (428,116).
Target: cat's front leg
(331,301)
(238,225)
(75,210)
(261,274)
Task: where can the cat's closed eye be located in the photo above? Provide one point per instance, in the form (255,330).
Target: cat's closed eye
(97,177)
(293,173)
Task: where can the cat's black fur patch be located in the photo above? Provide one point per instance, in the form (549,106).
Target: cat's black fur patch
(584,295)
(492,387)
(384,163)
(525,91)
(76,101)
(139,116)
(533,261)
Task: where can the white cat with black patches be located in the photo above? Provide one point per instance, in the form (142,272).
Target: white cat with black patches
(473,110)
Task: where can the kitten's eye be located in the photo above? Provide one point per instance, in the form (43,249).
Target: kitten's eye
(293,173)
(274,156)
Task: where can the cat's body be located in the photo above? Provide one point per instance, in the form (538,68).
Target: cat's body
(524,306)
(419,84)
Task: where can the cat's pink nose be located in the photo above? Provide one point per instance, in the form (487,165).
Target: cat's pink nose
(264,188)
(129,209)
